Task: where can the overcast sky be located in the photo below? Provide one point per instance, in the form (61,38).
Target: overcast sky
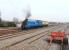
(51,10)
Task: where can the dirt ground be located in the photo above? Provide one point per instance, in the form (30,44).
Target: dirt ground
(35,40)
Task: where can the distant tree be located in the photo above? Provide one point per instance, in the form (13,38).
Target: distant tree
(10,24)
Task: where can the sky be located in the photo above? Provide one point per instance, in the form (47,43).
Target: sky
(49,10)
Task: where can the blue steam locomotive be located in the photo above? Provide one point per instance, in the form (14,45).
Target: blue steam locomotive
(28,23)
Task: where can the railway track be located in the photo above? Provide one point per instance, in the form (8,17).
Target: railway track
(11,35)
(31,39)
(47,47)
(28,42)
(5,31)
(50,44)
